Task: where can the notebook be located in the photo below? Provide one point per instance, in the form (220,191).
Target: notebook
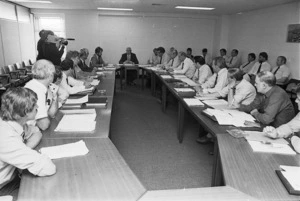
(290,177)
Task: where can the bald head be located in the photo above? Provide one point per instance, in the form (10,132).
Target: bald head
(128,50)
(43,69)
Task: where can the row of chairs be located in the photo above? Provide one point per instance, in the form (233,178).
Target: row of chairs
(15,75)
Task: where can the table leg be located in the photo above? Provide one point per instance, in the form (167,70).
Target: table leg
(164,97)
(125,77)
(143,73)
(152,83)
(121,78)
(180,122)
(217,176)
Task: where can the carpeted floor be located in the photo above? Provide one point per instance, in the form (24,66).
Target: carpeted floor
(146,138)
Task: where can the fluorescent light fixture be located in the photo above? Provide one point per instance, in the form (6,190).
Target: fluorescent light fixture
(30,1)
(118,9)
(194,8)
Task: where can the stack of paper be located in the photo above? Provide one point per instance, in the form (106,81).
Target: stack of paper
(87,90)
(271,148)
(184,90)
(188,81)
(205,98)
(179,76)
(78,100)
(262,137)
(166,76)
(67,150)
(145,65)
(193,102)
(80,111)
(292,174)
(95,82)
(77,123)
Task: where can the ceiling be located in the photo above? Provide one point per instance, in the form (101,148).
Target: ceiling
(222,7)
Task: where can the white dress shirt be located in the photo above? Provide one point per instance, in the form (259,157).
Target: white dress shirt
(208,59)
(283,71)
(187,68)
(202,74)
(173,63)
(72,86)
(210,87)
(233,62)
(165,59)
(265,66)
(15,154)
(247,66)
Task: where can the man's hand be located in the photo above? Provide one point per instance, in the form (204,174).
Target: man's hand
(253,112)
(87,85)
(271,132)
(54,89)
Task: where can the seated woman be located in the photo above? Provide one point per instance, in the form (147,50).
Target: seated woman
(290,129)
(68,83)
(19,105)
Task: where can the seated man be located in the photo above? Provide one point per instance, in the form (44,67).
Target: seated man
(206,56)
(223,54)
(129,58)
(19,105)
(189,53)
(96,60)
(246,67)
(187,67)
(233,60)
(218,80)
(174,61)
(78,73)
(68,83)
(274,106)
(261,65)
(203,71)
(83,55)
(154,58)
(290,129)
(164,57)
(281,72)
(43,73)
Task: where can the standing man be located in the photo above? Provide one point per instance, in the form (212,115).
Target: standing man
(43,74)
(281,72)
(129,58)
(233,60)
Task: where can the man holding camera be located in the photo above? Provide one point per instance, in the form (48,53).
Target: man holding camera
(54,48)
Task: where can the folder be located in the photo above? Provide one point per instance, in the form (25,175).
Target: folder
(286,183)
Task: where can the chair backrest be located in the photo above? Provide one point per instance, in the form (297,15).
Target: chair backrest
(23,64)
(2,72)
(11,68)
(30,62)
(6,69)
(17,65)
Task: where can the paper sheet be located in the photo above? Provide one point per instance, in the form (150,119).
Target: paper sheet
(80,111)
(188,81)
(99,73)
(145,65)
(166,76)
(179,76)
(271,148)
(77,123)
(88,89)
(184,90)
(82,100)
(193,102)
(67,150)
(261,137)
(205,98)
(95,82)
(217,102)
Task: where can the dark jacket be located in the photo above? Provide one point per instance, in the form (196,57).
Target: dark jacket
(84,67)
(52,54)
(133,58)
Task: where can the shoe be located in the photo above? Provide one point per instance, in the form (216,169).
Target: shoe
(204,140)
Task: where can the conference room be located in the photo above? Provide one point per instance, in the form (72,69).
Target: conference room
(134,129)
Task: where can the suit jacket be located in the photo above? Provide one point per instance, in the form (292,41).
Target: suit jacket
(84,67)
(52,54)
(133,58)
(96,60)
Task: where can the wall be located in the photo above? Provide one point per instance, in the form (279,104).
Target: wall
(115,31)
(266,30)
(16,36)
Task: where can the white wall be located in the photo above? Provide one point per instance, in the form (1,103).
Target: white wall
(115,31)
(266,30)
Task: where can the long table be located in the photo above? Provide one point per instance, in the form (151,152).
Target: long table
(235,164)
(102,174)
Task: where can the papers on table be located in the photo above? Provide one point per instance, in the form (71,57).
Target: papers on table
(80,111)
(206,98)
(145,65)
(100,73)
(289,175)
(184,90)
(217,104)
(230,117)
(271,148)
(179,76)
(166,77)
(78,100)
(261,137)
(87,90)
(77,123)
(188,81)
(67,150)
(193,102)
(95,82)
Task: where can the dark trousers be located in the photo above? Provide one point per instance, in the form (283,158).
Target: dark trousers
(12,188)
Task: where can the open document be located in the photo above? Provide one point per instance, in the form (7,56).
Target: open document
(67,150)
(77,123)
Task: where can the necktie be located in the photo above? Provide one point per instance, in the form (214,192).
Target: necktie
(160,60)
(182,65)
(276,70)
(231,60)
(172,62)
(198,73)
(246,64)
(259,68)
(216,80)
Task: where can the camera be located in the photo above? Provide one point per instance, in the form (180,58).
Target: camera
(58,40)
